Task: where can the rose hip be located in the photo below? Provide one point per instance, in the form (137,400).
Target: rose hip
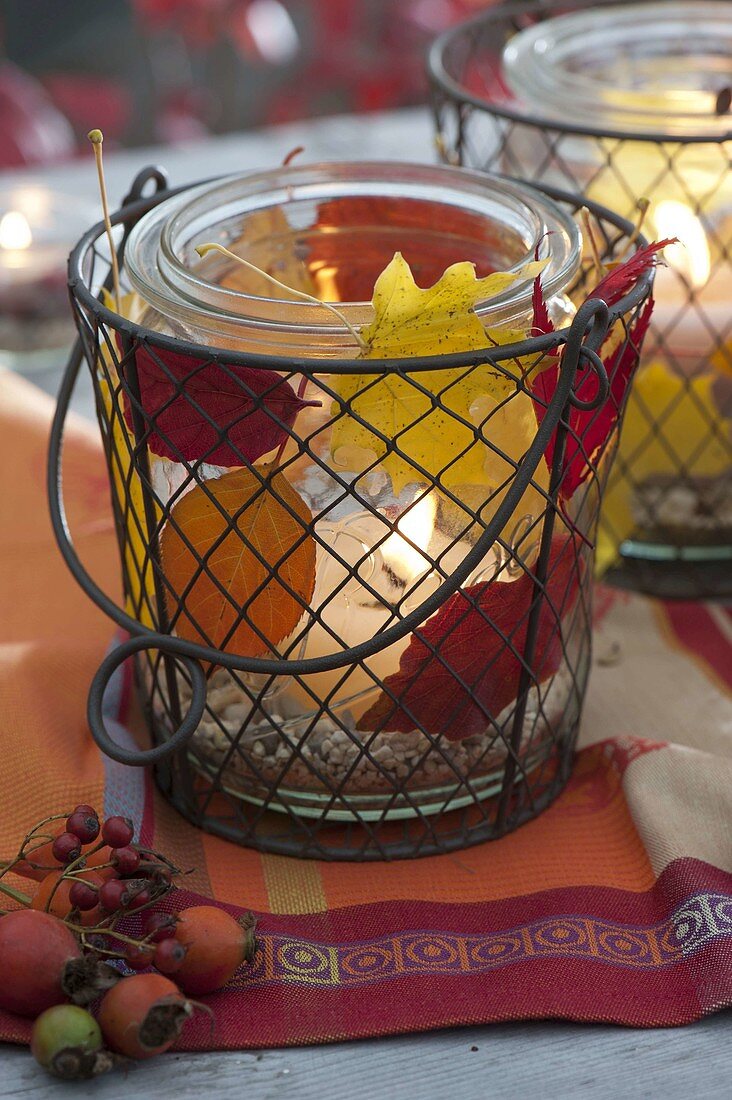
(118,832)
(217,946)
(143,1015)
(67,1041)
(82,808)
(139,957)
(99,859)
(126,860)
(35,951)
(159,926)
(53,895)
(112,895)
(138,893)
(121,893)
(66,848)
(83,896)
(169,956)
(84,826)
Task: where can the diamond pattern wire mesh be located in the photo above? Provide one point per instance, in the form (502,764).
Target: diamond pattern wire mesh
(309,781)
(667,523)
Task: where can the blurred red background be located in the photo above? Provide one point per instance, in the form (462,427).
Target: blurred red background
(149,71)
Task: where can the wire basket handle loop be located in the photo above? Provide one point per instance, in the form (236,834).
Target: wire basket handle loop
(95,710)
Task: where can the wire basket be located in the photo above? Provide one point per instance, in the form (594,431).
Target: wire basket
(474,732)
(666,526)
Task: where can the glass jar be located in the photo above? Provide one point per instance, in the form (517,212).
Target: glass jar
(331,229)
(384,543)
(625,103)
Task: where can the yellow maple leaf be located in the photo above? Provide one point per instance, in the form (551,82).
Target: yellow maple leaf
(126,484)
(267,241)
(422,413)
(683,408)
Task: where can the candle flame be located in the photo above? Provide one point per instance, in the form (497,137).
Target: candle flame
(15,232)
(407,558)
(691,258)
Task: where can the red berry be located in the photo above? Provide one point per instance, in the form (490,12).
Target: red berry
(139,957)
(159,926)
(112,895)
(169,956)
(85,826)
(66,848)
(137,893)
(82,808)
(82,896)
(126,860)
(118,832)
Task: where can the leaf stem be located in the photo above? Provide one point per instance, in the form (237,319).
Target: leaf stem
(43,838)
(587,225)
(642,207)
(204,249)
(96,137)
(16,895)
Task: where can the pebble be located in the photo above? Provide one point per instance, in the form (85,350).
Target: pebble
(328,754)
(699,511)
(235,712)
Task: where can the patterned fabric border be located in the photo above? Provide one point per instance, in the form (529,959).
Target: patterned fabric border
(704,917)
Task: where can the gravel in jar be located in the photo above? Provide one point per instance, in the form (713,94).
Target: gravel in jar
(320,755)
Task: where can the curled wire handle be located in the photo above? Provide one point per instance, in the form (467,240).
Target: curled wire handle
(596,313)
(589,316)
(95,707)
(151,174)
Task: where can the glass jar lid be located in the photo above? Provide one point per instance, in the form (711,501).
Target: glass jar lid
(648,68)
(337,226)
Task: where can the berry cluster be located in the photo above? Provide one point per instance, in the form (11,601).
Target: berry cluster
(94,903)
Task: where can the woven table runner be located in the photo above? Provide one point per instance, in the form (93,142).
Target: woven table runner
(614,905)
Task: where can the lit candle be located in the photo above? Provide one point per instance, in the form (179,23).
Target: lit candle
(15,239)
(688,271)
(37,230)
(394,570)
(658,127)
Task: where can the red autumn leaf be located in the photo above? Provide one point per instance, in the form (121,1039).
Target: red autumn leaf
(621,280)
(475,670)
(590,429)
(541,322)
(197,410)
(407,226)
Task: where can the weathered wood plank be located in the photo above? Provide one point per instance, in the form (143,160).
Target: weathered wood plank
(507,1061)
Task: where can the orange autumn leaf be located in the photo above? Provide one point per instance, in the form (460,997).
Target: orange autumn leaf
(245,534)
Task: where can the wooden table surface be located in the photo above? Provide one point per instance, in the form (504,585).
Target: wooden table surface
(522,1060)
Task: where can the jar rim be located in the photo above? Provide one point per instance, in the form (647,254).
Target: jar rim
(554,65)
(527,95)
(160,243)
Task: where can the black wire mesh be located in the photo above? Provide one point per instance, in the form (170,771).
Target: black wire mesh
(666,527)
(452,717)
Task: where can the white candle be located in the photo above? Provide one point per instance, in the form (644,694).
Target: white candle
(399,573)
(691,332)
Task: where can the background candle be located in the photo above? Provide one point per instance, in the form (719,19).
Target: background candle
(631,102)
(37,230)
